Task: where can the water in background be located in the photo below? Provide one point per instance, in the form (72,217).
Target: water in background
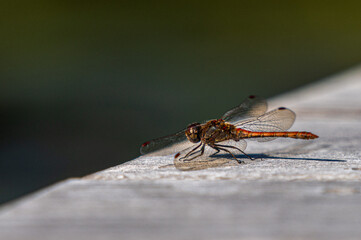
(84,83)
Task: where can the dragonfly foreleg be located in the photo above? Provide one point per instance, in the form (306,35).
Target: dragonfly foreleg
(201,153)
(191,152)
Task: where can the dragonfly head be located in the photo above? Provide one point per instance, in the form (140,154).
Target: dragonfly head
(193,132)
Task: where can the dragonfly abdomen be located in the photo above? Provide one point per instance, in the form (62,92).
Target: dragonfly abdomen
(299,135)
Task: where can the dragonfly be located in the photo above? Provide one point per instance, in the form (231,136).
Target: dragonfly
(248,121)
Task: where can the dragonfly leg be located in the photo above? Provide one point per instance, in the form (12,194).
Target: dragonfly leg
(225,146)
(191,152)
(213,154)
(190,155)
(218,148)
(201,153)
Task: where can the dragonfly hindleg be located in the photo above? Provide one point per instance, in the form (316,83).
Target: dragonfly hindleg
(225,146)
(226,150)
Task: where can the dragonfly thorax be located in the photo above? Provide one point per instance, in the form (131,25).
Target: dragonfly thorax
(193,132)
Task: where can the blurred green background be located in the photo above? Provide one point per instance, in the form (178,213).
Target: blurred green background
(84,83)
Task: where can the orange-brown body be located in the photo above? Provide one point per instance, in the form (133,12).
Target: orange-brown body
(215,131)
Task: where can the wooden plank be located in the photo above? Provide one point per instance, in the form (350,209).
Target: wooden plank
(295,189)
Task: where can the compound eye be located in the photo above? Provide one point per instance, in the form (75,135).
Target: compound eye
(192,132)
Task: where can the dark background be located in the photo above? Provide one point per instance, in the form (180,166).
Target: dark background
(84,83)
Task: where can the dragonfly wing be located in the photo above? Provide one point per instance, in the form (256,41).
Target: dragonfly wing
(232,145)
(251,107)
(278,120)
(166,145)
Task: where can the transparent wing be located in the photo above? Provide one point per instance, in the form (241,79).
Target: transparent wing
(167,145)
(251,107)
(278,120)
(241,144)
(202,162)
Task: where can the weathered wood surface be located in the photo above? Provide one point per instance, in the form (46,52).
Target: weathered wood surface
(294,190)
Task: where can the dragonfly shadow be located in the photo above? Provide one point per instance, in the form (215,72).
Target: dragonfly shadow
(223,160)
(305,159)
(265,156)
